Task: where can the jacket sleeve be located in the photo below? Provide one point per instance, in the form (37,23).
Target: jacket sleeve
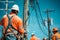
(4,21)
(17,23)
(20,26)
(21,29)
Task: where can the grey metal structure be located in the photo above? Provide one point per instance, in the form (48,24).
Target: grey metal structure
(25,16)
(6,5)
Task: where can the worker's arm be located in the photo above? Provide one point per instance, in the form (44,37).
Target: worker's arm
(4,22)
(20,26)
(21,30)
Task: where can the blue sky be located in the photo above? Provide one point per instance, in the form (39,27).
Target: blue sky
(33,26)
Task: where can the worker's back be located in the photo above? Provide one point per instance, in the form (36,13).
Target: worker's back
(56,36)
(16,22)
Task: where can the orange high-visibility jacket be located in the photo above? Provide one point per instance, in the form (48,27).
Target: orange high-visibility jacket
(16,22)
(34,38)
(56,36)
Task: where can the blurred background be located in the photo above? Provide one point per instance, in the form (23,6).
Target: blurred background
(37,20)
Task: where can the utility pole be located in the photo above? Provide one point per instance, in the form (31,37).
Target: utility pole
(25,16)
(6,5)
(48,22)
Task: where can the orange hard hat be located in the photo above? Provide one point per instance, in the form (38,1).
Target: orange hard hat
(55,29)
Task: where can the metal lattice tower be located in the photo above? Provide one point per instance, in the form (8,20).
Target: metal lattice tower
(6,5)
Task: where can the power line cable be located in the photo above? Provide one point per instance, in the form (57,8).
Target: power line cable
(32,3)
(39,23)
(40,12)
(34,7)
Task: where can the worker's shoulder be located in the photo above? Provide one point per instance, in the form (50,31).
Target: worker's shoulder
(54,35)
(57,34)
(17,18)
(5,16)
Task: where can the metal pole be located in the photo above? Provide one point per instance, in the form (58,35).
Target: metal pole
(25,16)
(6,6)
(48,20)
(49,23)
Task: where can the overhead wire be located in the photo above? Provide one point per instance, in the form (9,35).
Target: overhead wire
(32,3)
(40,12)
(39,23)
(39,9)
(37,17)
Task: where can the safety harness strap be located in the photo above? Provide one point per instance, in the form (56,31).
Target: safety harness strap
(10,25)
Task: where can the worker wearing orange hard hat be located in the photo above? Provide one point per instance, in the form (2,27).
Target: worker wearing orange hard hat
(56,35)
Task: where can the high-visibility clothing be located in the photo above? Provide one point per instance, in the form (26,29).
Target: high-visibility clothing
(34,38)
(56,36)
(22,31)
(16,22)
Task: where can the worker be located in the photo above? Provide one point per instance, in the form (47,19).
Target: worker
(33,37)
(56,35)
(15,21)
